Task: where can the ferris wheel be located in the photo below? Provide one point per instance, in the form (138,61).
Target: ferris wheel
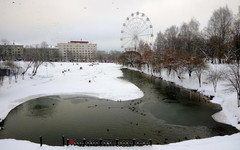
(137,27)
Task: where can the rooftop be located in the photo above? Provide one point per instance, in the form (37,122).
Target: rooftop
(79,42)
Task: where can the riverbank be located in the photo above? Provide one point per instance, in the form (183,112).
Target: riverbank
(230,113)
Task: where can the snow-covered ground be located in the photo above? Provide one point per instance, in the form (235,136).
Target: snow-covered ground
(105,84)
(51,81)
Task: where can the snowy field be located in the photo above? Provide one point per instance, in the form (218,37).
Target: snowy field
(105,84)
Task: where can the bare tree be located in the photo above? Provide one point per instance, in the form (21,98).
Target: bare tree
(141,47)
(44,44)
(131,58)
(160,45)
(114,55)
(122,60)
(188,36)
(159,48)
(214,76)
(200,66)
(102,56)
(189,63)
(29,65)
(1,74)
(4,49)
(233,77)
(168,60)
(174,60)
(148,57)
(37,56)
(56,55)
(171,35)
(40,57)
(236,36)
(219,28)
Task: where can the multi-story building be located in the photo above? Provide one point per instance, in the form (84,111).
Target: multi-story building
(45,54)
(78,51)
(11,52)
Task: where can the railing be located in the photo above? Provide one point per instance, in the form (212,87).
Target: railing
(108,142)
(104,142)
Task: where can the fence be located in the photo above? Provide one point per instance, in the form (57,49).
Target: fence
(108,142)
(104,142)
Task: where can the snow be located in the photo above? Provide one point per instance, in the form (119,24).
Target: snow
(105,83)
(217,143)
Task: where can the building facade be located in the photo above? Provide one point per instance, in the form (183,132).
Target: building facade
(79,51)
(45,54)
(11,52)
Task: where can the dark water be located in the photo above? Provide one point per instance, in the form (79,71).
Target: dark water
(165,114)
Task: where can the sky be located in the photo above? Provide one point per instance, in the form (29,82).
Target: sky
(97,21)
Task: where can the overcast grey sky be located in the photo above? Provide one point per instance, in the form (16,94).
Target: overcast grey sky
(98,21)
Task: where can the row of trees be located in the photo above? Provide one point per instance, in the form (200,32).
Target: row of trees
(173,61)
(111,56)
(179,63)
(218,42)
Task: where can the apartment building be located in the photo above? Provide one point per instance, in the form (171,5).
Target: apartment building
(80,51)
(11,52)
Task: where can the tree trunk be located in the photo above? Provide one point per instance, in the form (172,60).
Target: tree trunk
(238,97)
(15,75)
(169,71)
(35,71)
(23,76)
(215,87)
(190,73)
(199,80)
(220,61)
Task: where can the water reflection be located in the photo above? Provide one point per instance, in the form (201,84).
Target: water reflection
(42,107)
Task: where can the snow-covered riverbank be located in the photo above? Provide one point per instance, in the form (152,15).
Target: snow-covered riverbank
(230,113)
(104,84)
